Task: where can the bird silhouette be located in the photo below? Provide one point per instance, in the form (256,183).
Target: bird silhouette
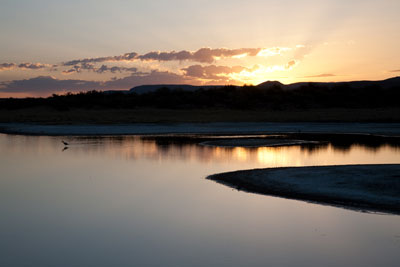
(65,143)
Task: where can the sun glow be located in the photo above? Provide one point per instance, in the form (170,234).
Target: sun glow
(240,56)
(258,73)
(268,52)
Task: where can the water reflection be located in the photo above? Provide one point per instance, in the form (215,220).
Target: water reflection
(134,201)
(190,149)
(184,149)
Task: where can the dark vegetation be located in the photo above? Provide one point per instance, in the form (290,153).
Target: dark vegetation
(307,96)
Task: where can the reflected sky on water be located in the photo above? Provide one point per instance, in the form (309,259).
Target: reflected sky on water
(132,201)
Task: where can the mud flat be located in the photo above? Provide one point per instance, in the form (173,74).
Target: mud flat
(368,188)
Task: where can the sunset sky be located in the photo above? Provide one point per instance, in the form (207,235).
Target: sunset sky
(50,46)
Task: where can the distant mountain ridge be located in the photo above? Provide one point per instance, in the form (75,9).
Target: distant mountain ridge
(384,84)
(270,96)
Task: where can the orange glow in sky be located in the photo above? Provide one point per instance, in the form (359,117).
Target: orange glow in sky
(226,42)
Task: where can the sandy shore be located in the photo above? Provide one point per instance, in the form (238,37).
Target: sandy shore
(389,129)
(371,188)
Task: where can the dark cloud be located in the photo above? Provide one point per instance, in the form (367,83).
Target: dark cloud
(123,57)
(33,66)
(321,75)
(126,56)
(394,70)
(86,66)
(211,71)
(102,69)
(74,69)
(166,56)
(203,55)
(70,71)
(26,65)
(114,69)
(7,66)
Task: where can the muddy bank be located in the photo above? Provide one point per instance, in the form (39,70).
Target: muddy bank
(370,188)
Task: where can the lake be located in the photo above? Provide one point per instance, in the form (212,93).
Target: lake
(133,201)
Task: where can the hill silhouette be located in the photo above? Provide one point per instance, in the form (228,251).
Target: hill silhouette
(271,95)
(270,85)
(384,84)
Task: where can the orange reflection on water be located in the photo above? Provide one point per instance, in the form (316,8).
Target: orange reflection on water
(240,153)
(272,156)
(135,148)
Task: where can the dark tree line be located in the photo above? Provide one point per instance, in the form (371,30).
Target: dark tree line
(231,97)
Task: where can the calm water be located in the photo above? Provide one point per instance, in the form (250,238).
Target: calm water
(130,202)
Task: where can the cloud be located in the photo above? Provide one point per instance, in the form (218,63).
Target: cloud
(203,71)
(7,66)
(394,70)
(291,64)
(320,75)
(302,51)
(124,57)
(166,56)
(203,55)
(74,69)
(79,68)
(114,69)
(102,69)
(26,66)
(211,71)
(33,66)
(85,66)
(273,51)
(70,71)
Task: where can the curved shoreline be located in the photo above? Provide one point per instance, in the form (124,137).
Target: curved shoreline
(368,188)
